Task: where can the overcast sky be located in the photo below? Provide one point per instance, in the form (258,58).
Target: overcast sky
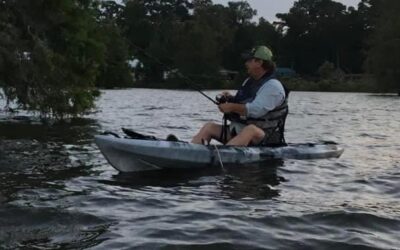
(269,8)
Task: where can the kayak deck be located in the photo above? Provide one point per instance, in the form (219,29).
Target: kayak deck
(131,155)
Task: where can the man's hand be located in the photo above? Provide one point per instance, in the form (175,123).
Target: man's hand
(226,93)
(224,97)
(225,107)
(233,108)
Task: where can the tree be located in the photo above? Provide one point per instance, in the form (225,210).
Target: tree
(52,61)
(384,53)
(241,12)
(115,70)
(150,27)
(198,4)
(10,63)
(247,36)
(321,30)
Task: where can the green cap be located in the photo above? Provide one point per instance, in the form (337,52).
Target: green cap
(259,52)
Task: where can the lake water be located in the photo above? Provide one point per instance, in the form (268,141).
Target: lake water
(57,190)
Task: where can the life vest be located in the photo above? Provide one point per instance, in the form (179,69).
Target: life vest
(273,122)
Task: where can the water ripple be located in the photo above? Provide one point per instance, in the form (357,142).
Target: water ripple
(58,192)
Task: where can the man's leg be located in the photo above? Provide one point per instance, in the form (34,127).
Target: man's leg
(207,132)
(249,134)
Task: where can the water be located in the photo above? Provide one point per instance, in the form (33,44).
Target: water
(57,191)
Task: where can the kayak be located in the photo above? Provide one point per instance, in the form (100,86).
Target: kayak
(134,155)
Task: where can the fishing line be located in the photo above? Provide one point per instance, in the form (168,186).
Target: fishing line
(219,158)
(189,81)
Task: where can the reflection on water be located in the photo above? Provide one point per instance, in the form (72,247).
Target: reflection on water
(72,131)
(247,182)
(57,191)
(44,228)
(257,182)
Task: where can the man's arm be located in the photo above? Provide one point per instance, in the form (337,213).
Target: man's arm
(233,108)
(268,97)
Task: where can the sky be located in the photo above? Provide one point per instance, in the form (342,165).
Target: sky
(269,8)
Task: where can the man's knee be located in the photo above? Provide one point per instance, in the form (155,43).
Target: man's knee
(210,126)
(255,131)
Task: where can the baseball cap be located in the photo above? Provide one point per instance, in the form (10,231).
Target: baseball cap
(259,52)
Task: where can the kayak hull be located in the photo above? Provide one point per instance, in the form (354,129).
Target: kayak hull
(132,155)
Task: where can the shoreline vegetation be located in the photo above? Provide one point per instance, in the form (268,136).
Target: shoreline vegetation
(362,84)
(55,55)
(351,84)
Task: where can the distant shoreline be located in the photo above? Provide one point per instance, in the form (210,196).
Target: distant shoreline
(294,84)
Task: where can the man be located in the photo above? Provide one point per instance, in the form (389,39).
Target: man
(258,110)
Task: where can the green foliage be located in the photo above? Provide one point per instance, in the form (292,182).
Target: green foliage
(151,28)
(322,30)
(52,62)
(326,70)
(241,12)
(193,58)
(363,84)
(384,54)
(54,53)
(115,70)
(201,42)
(198,44)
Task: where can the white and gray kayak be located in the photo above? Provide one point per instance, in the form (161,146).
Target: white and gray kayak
(133,155)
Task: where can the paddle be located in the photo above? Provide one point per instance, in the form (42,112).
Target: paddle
(134,135)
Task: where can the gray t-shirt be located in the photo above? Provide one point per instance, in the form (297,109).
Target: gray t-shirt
(268,97)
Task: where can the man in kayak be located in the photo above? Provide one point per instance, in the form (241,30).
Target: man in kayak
(257,112)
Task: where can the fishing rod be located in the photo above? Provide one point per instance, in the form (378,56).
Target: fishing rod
(189,81)
(197,88)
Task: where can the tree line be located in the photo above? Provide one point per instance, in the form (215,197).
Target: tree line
(54,54)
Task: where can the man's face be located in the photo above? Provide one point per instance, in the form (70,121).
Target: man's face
(253,65)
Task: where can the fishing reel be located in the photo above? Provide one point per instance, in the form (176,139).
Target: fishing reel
(223,98)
